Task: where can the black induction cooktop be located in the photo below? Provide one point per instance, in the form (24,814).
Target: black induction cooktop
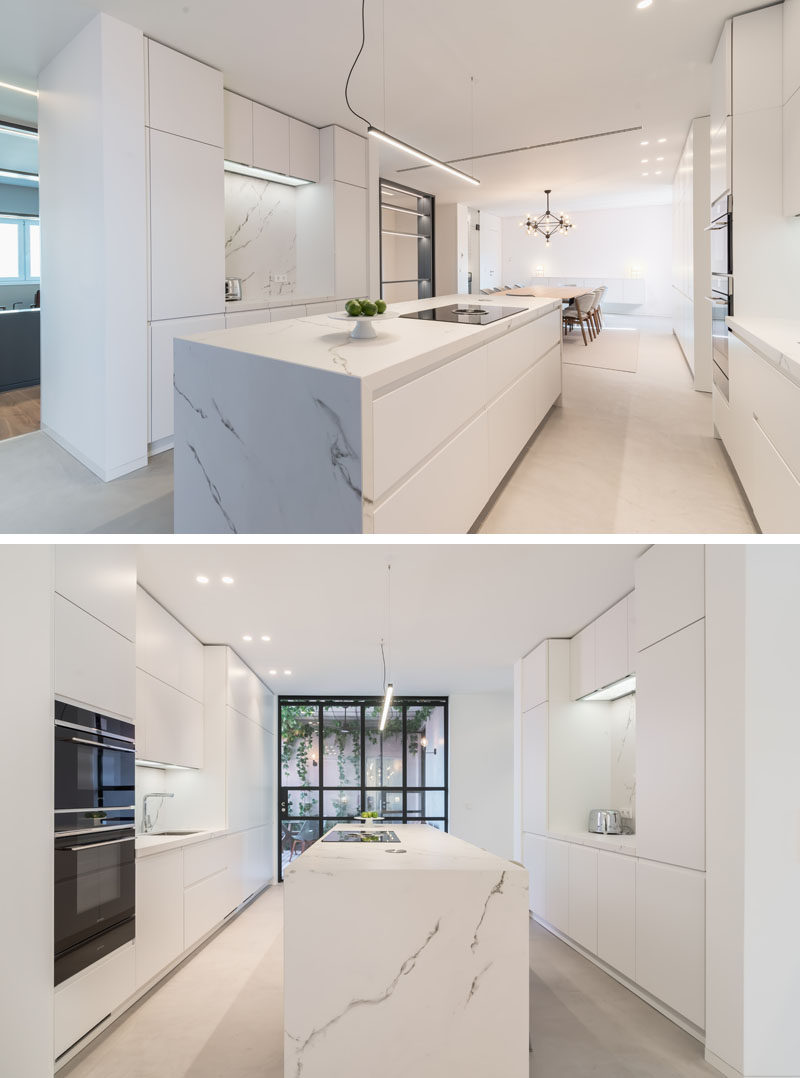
(361,836)
(466,315)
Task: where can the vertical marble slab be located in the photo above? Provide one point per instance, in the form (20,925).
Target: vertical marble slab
(420,968)
(260,236)
(623,754)
(263,446)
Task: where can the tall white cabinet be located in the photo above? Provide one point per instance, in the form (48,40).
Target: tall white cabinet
(791,108)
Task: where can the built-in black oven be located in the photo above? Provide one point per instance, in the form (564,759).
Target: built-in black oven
(721,230)
(94,837)
(722,291)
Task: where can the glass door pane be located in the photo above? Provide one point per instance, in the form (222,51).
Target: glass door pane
(341,739)
(383,754)
(299,807)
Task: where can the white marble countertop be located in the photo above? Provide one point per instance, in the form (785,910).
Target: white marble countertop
(156,843)
(612,843)
(777,340)
(402,349)
(266,302)
(420,847)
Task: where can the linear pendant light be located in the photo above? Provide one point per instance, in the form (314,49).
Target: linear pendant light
(27,177)
(387,703)
(388,689)
(400,145)
(263,174)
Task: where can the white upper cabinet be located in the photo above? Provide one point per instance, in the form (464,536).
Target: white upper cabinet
(350,254)
(250,781)
(238,128)
(791,48)
(169,724)
(270,140)
(534,677)
(247,694)
(582,662)
(631,601)
(757,61)
(165,649)
(722,80)
(102,581)
(303,151)
(612,645)
(187,228)
(670,591)
(94,666)
(185,96)
(349,157)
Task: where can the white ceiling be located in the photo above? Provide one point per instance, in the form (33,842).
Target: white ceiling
(543,71)
(460,614)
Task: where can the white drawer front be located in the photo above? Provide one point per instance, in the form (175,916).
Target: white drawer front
(512,420)
(204,859)
(513,354)
(410,422)
(775,493)
(776,406)
(205,906)
(548,383)
(448,494)
(90,996)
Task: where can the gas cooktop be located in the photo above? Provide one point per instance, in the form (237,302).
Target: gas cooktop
(467,315)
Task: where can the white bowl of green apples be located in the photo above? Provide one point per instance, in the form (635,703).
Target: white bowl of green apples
(364,312)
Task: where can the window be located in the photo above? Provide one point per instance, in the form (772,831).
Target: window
(335,762)
(20,250)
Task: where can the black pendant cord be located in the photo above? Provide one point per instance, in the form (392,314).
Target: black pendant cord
(352,69)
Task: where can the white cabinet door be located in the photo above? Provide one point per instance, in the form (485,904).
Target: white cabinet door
(204,859)
(583,896)
(670,937)
(303,151)
(670,749)
(616,912)
(246,318)
(187,228)
(270,139)
(238,128)
(94,666)
(547,376)
(159,913)
(791,49)
(92,995)
(534,857)
(165,649)
(722,81)
(248,774)
(558,885)
(247,694)
(185,96)
(534,677)
(582,662)
(172,723)
(205,905)
(515,353)
(670,591)
(512,421)
(349,158)
(631,601)
(534,770)
(757,61)
(257,859)
(100,580)
(612,645)
(350,254)
(791,156)
(162,367)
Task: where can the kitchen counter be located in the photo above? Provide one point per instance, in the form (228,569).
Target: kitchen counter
(612,843)
(293,427)
(410,957)
(156,843)
(268,302)
(777,340)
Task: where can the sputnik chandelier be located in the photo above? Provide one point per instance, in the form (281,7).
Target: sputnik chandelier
(548,224)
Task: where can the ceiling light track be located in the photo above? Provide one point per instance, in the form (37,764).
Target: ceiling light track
(536,146)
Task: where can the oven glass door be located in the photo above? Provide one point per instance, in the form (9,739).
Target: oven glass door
(721,251)
(94,885)
(92,770)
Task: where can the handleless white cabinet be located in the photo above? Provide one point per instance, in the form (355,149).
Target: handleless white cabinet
(238,128)
(534,770)
(582,662)
(162,389)
(612,645)
(791,156)
(757,45)
(207,898)
(248,771)
(670,591)
(247,694)
(791,49)
(169,723)
(165,649)
(187,227)
(94,665)
(185,96)
(349,157)
(616,912)
(350,244)
(534,857)
(534,677)
(557,884)
(270,139)
(257,870)
(583,896)
(159,913)
(101,580)
(92,995)
(303,151)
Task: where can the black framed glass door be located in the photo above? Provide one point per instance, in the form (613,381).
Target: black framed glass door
(335,762)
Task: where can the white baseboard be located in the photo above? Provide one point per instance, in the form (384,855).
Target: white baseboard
(106,474)
(722,1066)
(161,445)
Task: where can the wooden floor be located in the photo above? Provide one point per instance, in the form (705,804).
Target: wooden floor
(20,411)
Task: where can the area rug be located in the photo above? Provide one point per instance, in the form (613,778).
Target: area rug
(613,350)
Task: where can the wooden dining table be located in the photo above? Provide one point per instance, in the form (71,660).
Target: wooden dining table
(566,295)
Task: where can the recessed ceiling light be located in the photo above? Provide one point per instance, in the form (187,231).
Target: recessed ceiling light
(247,638)
(227,580)
(266,639)
(273,673)
(645,160)
(288,673)
(201,579)
(644,3)
(662,140)
(645,143)
(645,173)
(658,173)
(659,159)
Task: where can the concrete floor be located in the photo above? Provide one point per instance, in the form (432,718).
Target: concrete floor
(220,1014)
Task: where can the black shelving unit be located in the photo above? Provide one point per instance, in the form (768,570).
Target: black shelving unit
(398,200)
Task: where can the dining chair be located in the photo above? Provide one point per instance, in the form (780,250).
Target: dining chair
(594,314)
(602,290)
(580,314)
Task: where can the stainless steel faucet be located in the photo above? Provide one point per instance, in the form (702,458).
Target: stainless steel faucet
(147,823)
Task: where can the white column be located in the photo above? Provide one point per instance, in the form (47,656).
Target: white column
(94,248)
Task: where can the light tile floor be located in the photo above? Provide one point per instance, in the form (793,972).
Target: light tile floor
(625,453)
(220,1016)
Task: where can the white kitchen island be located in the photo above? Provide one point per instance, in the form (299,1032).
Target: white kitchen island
(292,427)
(405,959)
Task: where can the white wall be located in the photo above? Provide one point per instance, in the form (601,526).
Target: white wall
(604,243)
(481,728)
(92,206)
(26,793)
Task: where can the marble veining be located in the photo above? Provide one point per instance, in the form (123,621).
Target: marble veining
(260,236)
(496,890)
(623,755)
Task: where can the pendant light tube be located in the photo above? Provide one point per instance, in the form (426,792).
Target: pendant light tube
(404,146)
(387,703)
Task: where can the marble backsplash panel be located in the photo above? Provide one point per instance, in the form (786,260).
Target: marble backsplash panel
(260,236)
(623,754)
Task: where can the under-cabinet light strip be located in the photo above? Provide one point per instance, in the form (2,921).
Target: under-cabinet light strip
(264,174)
(10,174)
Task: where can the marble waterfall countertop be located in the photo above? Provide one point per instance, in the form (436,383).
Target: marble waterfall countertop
(403,347)
(411,958)
(777,340)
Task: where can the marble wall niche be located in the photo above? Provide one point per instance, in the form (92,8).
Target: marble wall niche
(260,236)
(623,754)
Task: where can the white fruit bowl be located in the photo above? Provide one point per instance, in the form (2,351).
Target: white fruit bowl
(363,330)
